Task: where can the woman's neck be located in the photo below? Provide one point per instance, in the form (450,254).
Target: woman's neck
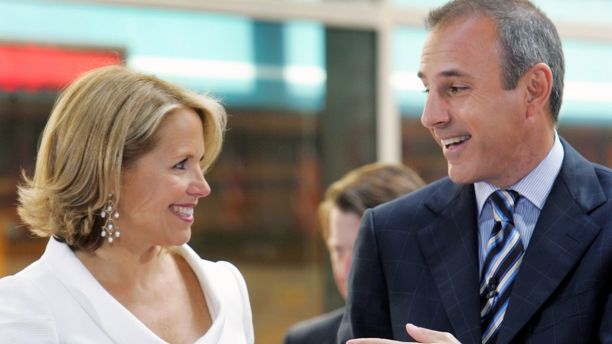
(120,265)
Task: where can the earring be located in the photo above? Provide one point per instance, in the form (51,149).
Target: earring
(110,229)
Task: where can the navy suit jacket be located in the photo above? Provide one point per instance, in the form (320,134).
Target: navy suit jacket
(319,330)
(416,261)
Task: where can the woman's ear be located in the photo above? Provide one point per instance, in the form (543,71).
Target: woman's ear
(538,81)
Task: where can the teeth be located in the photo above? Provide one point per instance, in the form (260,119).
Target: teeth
(454,140)
(183,211)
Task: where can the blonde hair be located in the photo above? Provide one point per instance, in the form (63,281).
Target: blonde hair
(100,124)
(367,187)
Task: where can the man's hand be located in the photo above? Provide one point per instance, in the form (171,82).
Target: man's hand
(420,334)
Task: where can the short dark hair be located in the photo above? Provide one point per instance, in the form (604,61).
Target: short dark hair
(367,187)
(526,35)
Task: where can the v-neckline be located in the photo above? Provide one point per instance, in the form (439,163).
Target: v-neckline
(115,319)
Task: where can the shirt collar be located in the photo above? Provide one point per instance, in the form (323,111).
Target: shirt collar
(536,185)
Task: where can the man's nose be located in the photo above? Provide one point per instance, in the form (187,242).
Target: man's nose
(435,113)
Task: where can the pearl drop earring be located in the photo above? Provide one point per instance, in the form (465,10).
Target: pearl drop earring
(110,230)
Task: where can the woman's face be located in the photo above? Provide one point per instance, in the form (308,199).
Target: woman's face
(161,188)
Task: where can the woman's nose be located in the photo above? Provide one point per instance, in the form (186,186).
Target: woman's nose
(199,186)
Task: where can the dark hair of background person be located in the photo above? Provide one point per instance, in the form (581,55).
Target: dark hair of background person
(367,187)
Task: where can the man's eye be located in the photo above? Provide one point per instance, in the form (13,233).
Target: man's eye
(456,89)
(181,165)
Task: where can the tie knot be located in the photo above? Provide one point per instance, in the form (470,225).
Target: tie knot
(503,202)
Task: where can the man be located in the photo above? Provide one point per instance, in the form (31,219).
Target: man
(339,214)
(515,246)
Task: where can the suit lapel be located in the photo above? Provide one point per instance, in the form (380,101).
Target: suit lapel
(562,234)
(449,247)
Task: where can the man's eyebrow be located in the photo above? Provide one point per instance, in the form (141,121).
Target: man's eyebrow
(452,72)
(446,73)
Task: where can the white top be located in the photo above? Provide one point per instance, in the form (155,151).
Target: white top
(57,300)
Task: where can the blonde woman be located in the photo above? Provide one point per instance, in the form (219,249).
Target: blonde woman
(118,174)
(340,214)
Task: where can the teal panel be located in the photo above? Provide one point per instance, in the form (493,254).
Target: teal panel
(585,60)
(408,89)
(226,53)
(408,43)
(148,31)
(577,11)
(303,41)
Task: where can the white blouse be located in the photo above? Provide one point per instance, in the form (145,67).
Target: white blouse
(57,300)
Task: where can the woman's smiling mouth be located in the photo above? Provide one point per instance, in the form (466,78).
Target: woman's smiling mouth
(185,213)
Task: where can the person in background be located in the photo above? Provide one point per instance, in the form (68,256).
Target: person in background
(339,215)
(515,245)
(118,174)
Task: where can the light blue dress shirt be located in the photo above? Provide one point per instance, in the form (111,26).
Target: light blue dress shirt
(533,188)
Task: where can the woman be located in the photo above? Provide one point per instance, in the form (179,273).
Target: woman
(118,174)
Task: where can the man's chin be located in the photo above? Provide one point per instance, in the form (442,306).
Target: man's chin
(459,176)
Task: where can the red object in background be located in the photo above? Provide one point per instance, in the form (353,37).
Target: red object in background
(33,67)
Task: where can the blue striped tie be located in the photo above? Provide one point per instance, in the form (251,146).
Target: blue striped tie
(504,255)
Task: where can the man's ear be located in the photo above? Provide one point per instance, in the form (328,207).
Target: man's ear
(538,85)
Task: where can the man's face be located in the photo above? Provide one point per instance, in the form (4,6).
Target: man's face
(343,228)
(478,124)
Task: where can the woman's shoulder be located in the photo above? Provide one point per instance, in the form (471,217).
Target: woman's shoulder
(207,266)
(231,272)
(25,282)
(17,294)
(224,267)
(222,271)
(233,294)
(226,290)
(25,313)
(221,277)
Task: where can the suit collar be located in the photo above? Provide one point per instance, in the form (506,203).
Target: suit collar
(579,177)
(563,232)
(443,194)
(449,247)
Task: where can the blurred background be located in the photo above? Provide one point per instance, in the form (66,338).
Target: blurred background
(313,89)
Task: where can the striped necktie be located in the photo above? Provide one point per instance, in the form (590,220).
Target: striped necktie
(501,264)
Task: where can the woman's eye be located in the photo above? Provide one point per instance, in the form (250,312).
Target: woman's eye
(181,165)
